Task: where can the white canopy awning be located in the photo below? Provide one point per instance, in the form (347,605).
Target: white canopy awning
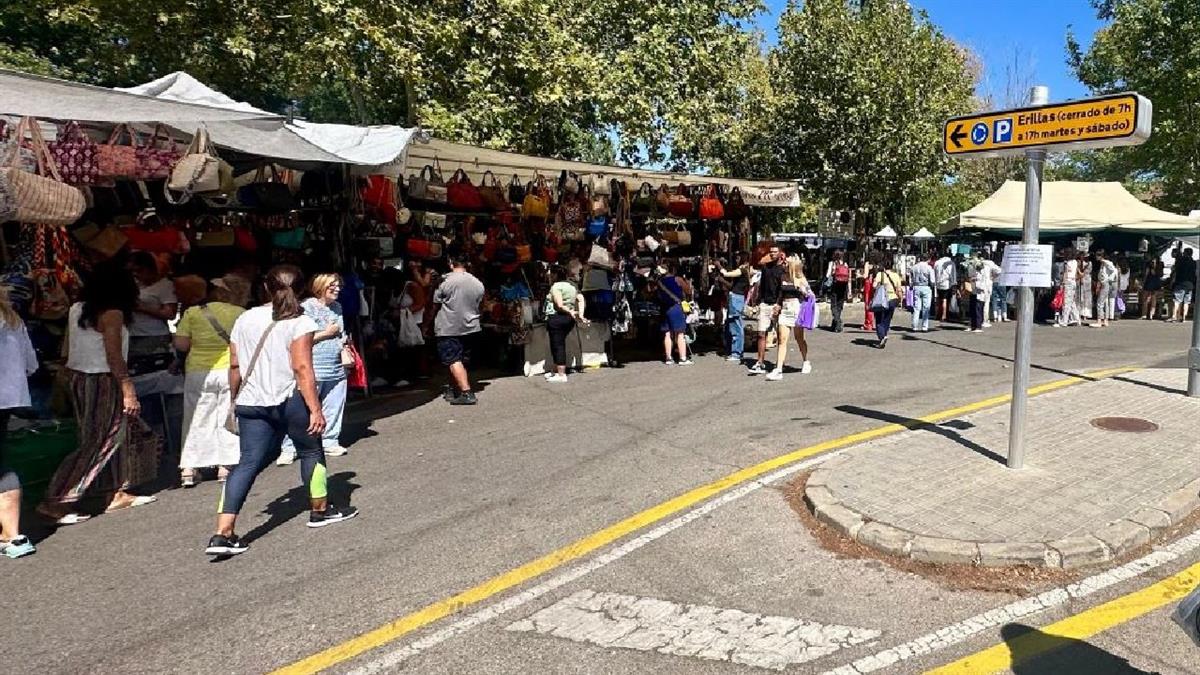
(184,103)
(1069,207)
(886,233)
(922,233)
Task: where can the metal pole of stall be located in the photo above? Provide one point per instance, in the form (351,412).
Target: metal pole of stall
(1035,159)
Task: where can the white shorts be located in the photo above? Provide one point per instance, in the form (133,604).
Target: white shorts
(790,312)
(766,316)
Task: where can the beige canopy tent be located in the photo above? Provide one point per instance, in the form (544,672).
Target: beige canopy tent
(1070,207)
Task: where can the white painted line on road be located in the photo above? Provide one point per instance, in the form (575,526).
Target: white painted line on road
(963,630)
(396,656)
(701,631)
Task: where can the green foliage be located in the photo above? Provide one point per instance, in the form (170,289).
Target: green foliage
(863,90)
(561,78)
(1150,47)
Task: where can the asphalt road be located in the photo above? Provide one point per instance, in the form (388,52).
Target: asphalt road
(452,496)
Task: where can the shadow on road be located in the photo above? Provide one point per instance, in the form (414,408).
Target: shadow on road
(1159,387)
(1038,653)
(998,357)
(919,425)
(295,502)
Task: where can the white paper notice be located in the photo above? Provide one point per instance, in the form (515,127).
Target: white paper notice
(1027,265)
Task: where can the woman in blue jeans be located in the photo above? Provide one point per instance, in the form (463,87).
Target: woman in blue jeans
(739,286)
(275,395)
(328,343)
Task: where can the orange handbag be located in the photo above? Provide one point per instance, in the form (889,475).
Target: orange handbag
(711,207)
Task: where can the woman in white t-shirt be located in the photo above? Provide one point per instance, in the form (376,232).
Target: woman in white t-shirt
(274,391)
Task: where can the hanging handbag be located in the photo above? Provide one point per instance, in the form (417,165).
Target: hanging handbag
(662,200)
(536,203)
(8,200)
(680,236)
(153,235)
(599,184)
(75,155)
(210,232)
(516,191)
(642,202)
(461,194)
(599,204)
(600,257)
(293,239)
(117,160)
(597,227)
(711,207)
(735,206)
(568,183)
(106,241)
(492,193)
(231,422)
(200,172)
(156,159)
(570,220)
(428,185)
(262,194)
(39,199)
(680,205)
(13,152)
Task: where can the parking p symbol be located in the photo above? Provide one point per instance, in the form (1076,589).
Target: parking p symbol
(1002,130)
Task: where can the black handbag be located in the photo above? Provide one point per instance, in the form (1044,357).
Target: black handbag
(263,195)
(516,191)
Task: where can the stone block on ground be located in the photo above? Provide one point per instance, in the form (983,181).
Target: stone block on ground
(840,518)
(1080,551)
(1180,505)
(1153,519)
(885,538)
(1123,536)
(818,496)
(1003,554)
(944,551)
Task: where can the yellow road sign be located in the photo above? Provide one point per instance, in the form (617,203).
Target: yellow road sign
(1119,119)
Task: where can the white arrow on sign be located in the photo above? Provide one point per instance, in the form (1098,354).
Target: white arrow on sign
(713,633)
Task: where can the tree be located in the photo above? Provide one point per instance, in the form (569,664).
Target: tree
(864,89)
(569,78)
(1149,46)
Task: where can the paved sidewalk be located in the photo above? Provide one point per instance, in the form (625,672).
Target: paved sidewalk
(941,493)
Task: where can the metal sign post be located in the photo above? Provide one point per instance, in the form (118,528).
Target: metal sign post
(1035,160)
(1193,387)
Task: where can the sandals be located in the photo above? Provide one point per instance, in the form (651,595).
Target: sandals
(137,501)
(67,519)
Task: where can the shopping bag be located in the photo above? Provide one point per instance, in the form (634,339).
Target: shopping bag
(1059,298)
(807,314)
(409,334)
(1120,306)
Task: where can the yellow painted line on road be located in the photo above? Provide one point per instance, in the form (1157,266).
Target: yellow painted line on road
(1019,650)
(394,630)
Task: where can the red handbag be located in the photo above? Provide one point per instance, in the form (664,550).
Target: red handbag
(356,374)
(679,204)
(711,207)
(1059,299)
(461,194)
(75,155)
(114,160)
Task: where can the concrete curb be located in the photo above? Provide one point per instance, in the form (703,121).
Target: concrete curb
(1105,543)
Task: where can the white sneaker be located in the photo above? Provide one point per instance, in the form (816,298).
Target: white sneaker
(987,325)
(733,358)
(758,369)
(806,368)
(549,374)
(335,451)
(669,362)
(379,382)
(401,383)
(557,378)
(285,459)
(775,375)
(687,362)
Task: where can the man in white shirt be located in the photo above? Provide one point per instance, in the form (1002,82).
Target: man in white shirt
(946,277)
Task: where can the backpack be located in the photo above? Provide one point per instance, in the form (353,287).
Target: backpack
(841,272)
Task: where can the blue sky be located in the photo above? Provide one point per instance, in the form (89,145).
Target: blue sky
(1033,30)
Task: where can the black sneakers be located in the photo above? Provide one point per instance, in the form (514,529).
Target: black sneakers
(331,514)
(222,545)
(467,398)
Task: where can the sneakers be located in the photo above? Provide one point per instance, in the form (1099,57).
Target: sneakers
(806,368)
(335,451)
(285,458)
(17,547)
(987,325)
(669,362)
(222,545)
(557,377)
(449,394)
(687,362)
(734,358)
(331,514)
(466,398)
(775,375)
(758,369)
